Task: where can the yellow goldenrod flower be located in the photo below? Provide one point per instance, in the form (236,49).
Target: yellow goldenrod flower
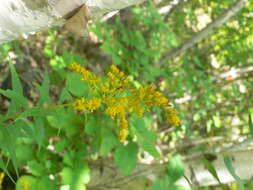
(151,97)
(115,69)
(25,184)
(117,79)
(172,117)
(79,104)
(120,97)
(144,98)
(1,179)
(115,110)
(105,87)
(87,76)
(93,104)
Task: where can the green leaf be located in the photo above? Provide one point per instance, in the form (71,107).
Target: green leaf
(175,169)
(36,168)
(65,120)
(17,100)
(27,128)
(76,86)
(209,166)
(44,90)
(250,125)
(45,183)
(25,153)
(16,94)
(76,177)
(65,96)
(161,184)
(39,130)
(30,112)
(108,142)
(229,164)
(9,136)
(145,138)
(16,84)
(126,157)
(92,126)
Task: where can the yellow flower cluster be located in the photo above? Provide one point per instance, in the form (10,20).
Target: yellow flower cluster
(144,98)
(172,117)
(91,105)
(117,108)
(87,76)
(116,81)
(120,97)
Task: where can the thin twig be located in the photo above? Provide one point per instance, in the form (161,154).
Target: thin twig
(219,21)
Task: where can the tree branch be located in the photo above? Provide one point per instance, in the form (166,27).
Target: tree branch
(223,18)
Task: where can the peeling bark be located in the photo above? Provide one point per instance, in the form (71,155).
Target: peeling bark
(21,17)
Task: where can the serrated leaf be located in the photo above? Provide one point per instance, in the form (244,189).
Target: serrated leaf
(229,164)
(65,120)
(126,157)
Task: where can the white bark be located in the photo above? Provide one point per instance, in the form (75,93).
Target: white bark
(19,17)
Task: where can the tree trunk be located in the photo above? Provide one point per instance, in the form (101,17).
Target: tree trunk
(23,17)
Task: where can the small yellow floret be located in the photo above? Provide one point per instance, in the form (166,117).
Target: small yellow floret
(93,104)
(172,117)
(79,104)
(87,76)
